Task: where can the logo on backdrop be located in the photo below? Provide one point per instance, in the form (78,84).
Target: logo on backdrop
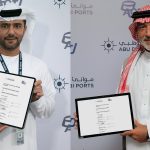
(122,46)
(76,82)
(66,40)
(68,123)
(82,82)
(108,45)
(59,2)
(60,83)
(4,2)
(81,8)
(128,7)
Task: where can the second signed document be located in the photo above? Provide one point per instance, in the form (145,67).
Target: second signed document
(103,115)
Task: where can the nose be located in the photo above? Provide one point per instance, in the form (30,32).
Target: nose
(11,30)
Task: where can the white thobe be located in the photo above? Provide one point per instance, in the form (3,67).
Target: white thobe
(41,108)
(139,87)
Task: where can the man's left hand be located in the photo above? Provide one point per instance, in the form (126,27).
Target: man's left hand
(37,91)
(139,133)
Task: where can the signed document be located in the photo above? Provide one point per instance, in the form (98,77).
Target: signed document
(15,95)
(103,115)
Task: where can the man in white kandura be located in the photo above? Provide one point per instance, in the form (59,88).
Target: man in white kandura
(14,22)
(135,79)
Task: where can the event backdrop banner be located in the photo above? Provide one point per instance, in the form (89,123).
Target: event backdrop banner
(94,34)
(101,42)
(50,42)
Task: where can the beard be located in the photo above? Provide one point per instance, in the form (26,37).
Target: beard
(10,42)
(144,43)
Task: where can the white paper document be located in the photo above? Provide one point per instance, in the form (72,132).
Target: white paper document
(15,94)
(104,115)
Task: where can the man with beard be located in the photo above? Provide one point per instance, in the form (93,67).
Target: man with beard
(14,22)
(135,78)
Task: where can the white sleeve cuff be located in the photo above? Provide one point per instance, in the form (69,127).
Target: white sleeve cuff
(148,129)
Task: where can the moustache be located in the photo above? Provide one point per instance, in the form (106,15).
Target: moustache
(10,38)
(146,38)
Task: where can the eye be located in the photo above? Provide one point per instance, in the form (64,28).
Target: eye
(4,26)
(141,26)
(18,26)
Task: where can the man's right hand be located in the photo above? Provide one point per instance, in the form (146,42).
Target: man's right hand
(3,127)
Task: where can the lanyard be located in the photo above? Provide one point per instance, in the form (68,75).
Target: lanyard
(19,64)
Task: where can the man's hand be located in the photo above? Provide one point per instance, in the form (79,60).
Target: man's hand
(76,120)
(3,127)
(37,91)
(139,133)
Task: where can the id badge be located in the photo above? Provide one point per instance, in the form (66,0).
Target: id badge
(19,136)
